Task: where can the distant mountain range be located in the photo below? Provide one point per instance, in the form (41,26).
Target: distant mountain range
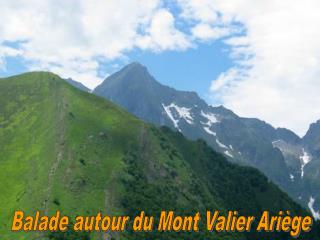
(77,85)
(293,163)
(68,150)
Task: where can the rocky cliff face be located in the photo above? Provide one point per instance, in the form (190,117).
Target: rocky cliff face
(279,153)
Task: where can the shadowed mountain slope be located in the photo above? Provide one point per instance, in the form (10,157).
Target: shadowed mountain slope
(278,152)
(64,149)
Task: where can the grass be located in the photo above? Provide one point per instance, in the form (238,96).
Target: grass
(64,149)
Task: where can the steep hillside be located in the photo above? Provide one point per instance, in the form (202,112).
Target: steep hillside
(311,142)
(146,94)
(238,139)
(278,152)
(65,149)
(138,92)
(312,139)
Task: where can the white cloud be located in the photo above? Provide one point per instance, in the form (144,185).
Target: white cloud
(206,32)
(208,23)
(275,45)
(225,80)
(69,37)
(203,10)
(162,34)
(277,61)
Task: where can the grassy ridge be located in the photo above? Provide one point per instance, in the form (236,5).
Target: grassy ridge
(59,147)
(65,149)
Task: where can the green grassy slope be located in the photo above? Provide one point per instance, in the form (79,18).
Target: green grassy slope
(64,149)
(59,146)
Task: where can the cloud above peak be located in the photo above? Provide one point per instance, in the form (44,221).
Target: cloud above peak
(162,34)
(276,75)
(73,37)
(274,45)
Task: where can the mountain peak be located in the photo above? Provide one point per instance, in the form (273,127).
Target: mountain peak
(133,79)
(135,66)
(135,89)
(314,127)
(312,137)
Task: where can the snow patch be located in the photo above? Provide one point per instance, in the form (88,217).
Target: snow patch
(182,112)
(211,120)
(228,153)
(221,144)
(207,129)
(276,145)
(292,177)
(168,112)
(273,142)
(305,159)
(210,117)
(315,214)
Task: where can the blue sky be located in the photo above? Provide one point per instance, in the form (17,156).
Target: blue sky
(258,58)
(190,70)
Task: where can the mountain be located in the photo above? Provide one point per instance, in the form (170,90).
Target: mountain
(68,150)
(146,95)
(312,139)
(303,160)
(311,142)
(246,141)
(77,85)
